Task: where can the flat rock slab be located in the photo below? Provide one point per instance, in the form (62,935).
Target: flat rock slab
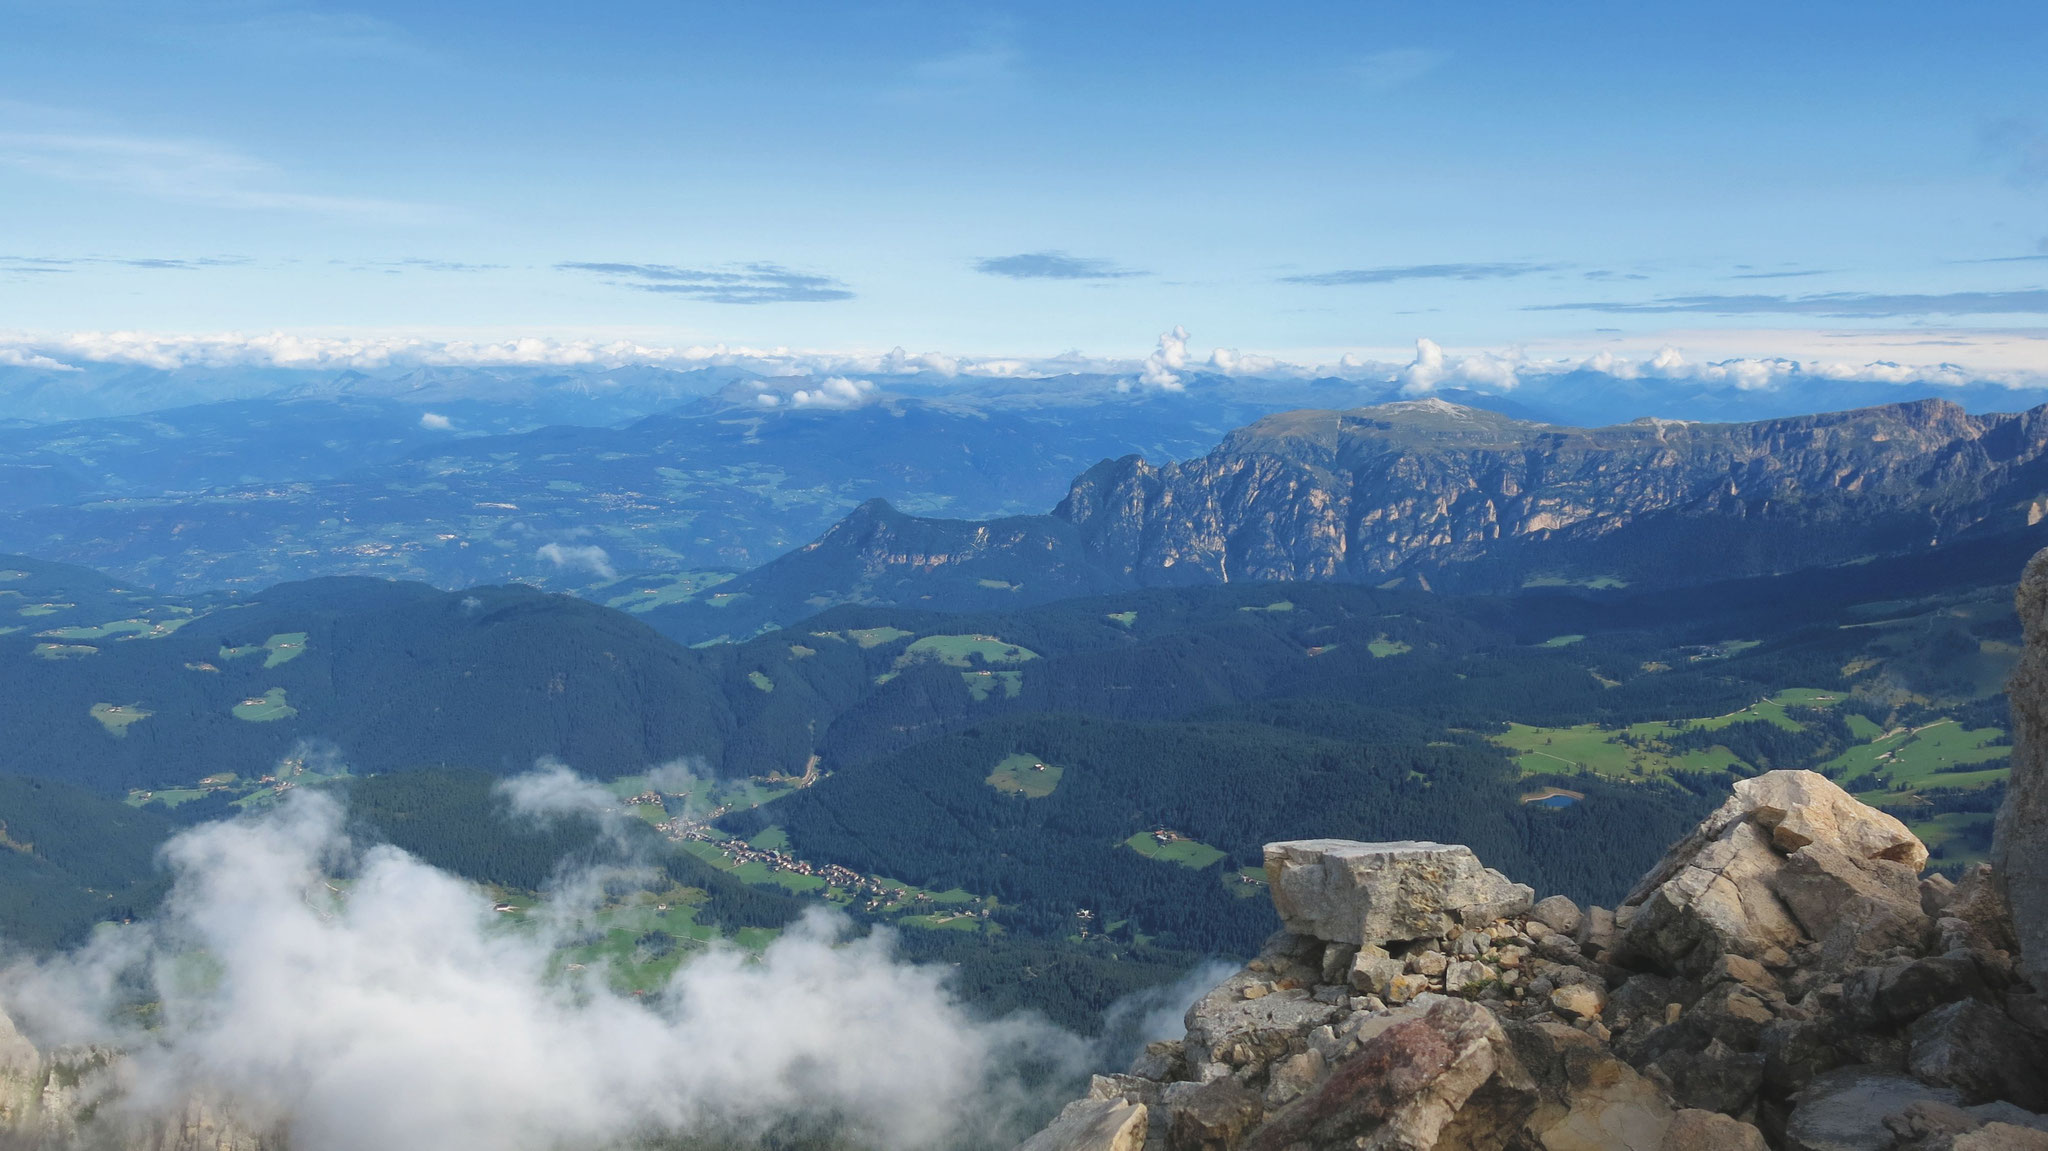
(1343,891)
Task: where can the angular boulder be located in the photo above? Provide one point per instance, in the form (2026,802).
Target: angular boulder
(2019,847)
(1974,1048)
(1342,891)
(1790,856)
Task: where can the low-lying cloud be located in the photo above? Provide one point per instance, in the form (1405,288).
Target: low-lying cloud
(351,996)
(579,557)
(755,283)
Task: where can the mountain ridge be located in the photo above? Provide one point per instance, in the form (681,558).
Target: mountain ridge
(1435,495)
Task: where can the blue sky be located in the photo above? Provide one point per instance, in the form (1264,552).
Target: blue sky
(1298,179)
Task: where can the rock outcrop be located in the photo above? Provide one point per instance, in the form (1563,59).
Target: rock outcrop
(1781,979)
(70,1099)
(2019,855)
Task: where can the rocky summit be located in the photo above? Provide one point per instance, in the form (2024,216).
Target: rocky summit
(1784,978)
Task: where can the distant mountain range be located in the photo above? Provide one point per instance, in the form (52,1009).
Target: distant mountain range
(1434,495)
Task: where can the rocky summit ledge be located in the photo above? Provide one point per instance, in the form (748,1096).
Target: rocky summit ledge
(1360,893)
(1784,979)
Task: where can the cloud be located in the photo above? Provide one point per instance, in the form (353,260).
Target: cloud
(396,1012)
(551,792)
(435,422)
(579,557)
(1390,275)
(1835,305)
(189,171)
(1486,371)
(1778,275)
(20,358)
(1162,367)
(756,283)
(1388,70)
(66,263)
(1051,266)
(834,392)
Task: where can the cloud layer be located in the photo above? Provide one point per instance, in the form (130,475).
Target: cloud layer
(393,1009)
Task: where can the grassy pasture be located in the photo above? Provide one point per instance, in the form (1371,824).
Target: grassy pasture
(266,708)
(1383,647)
(117,718)
(1561,641)
(64,650)
(1124,619)
(123,628)
(1026,775)
(1923,757)
(1188,853)
(1549,750)
(760,681)
(960,650)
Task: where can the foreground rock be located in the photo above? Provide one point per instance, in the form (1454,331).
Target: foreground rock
(2019,853)
(1781,979)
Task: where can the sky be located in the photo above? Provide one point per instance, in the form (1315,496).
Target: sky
(1302,180)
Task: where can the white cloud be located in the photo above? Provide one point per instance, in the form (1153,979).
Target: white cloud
(834,392)
(393,1012)
(1162,367)
(579,557)
(435,422)
(22,358)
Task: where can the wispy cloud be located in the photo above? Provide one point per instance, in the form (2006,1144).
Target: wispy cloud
(756,283)
(1779,275)
(1385,71)
(189,171)
(1052,266)
(1390,275)
(424,265)
(154,263)
(1835,305)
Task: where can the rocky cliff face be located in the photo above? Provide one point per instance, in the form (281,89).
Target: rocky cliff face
(1783,979)
(1430,494)
(1425,487)
(72,1099)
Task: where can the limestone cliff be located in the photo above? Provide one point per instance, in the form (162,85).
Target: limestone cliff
(1784,978)
(1430,494)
